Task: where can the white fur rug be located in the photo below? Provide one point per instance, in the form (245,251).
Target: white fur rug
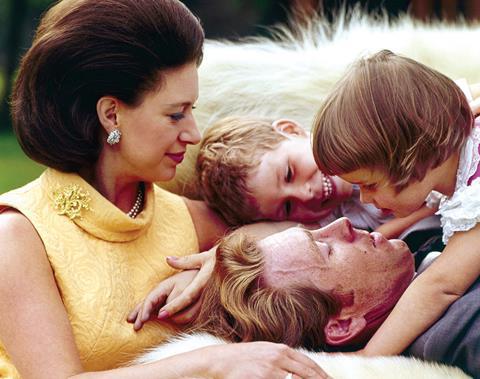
(289,76)
(337,366)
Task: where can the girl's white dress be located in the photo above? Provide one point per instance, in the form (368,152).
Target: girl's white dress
(461,212)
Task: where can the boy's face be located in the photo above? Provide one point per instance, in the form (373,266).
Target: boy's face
(376,189)
(288,185)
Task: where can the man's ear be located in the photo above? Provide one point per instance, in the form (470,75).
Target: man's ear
(107,111)
(340,331)
(289,127)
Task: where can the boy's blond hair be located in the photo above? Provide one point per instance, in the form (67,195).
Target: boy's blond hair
(393,114)
(230,151)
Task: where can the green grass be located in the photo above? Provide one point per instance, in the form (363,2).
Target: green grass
(15,168)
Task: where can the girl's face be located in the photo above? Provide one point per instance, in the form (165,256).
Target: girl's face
(155,133)
(376,189)
(288,185)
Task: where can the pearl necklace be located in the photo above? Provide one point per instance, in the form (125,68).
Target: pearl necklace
(132,213)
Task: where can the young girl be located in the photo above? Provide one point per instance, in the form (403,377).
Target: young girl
(401,130)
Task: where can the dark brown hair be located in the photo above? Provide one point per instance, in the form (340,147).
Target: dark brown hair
(239,307)
(86,49)
(393,114)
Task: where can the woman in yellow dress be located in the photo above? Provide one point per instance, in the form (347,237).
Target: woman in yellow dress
(104,99)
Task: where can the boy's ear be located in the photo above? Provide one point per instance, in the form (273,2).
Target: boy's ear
(107,112)
(340,331)
(289,127)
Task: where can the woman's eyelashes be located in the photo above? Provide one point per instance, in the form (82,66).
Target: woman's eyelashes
(180,115)
(177,116)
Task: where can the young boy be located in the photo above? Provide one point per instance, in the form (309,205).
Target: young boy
(400,130)
(253,169)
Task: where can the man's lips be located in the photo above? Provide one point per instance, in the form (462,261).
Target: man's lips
(177,157)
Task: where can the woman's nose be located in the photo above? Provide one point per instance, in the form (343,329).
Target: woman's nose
(339,229)
(190,134)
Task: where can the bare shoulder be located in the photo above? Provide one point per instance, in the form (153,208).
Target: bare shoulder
(19,237)
(32,308)
(21,250)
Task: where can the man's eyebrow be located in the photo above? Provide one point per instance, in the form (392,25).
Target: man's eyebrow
(311,240)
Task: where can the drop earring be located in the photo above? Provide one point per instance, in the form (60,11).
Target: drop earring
(114,137)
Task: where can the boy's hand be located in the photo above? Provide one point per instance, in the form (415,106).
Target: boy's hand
(179,294)
(151,307)
(204,263)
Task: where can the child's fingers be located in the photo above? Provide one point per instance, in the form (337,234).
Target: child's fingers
(187,315)
(137,325)
(188,296)
(191,293)
(187,262)
(193,261)
(152,303)
(134,313)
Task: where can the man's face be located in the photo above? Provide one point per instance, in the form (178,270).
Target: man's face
(368,272)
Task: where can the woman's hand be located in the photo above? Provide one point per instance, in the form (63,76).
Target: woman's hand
(258,360)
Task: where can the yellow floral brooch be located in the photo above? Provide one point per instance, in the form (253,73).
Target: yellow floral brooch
(71,200)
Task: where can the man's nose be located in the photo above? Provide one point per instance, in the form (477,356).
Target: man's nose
(190,133)
(339,229)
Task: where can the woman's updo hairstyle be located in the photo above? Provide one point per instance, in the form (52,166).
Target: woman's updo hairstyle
(86,49)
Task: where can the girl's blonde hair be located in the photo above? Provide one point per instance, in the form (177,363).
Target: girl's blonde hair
(393,114)
(239,307)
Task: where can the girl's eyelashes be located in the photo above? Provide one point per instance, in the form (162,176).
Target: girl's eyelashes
(370,187)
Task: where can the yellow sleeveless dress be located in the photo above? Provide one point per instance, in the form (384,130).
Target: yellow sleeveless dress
(104,262)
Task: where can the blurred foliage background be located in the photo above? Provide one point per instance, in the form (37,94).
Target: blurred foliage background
(221,19)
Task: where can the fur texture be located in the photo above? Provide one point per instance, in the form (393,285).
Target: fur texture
(289,75)
(337,366)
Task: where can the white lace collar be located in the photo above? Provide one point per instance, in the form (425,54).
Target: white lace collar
(469,158)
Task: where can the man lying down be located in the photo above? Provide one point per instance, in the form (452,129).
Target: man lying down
(328,289)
